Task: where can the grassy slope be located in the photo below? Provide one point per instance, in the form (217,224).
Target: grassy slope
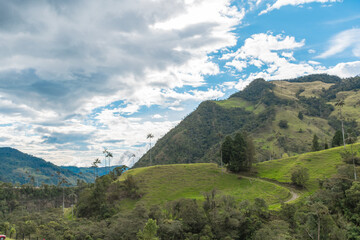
(322,164)
(297,141)
(169,182)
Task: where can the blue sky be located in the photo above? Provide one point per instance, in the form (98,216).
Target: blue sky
(80,76)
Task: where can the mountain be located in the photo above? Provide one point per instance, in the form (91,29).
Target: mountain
(281,117)
(88,172)
(19,167)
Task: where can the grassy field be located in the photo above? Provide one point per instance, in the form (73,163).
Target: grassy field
(169,182)
(321,164)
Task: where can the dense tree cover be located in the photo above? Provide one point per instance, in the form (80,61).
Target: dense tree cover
(238,153)
(21,168)
(330,213)
(316,77)
(255,90)
(192,140)
(100,200)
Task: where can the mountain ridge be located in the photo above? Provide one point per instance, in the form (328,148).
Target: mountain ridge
(19,167)
(258,109)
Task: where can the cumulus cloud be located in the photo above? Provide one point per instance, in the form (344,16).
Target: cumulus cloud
(342,41)
(281,3)
(273,57)
(63,63)
(271,54)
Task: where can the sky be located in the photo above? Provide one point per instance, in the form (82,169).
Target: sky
(78,76)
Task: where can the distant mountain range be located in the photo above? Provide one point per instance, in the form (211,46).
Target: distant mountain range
(305,104)
(19,167)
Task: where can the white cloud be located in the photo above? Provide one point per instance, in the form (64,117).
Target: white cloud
(344,70)
(313,62)
(342,41)
(281,3)
(267,51)
(157,116)
(64,62)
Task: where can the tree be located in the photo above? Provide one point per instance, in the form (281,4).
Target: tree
(340,103)
(149,232)
(337,139)
(95,166)
(227,150)
(283,124)
(326,145)
(150,136)
(300,176)
(238,153)
(315,144)
(301,116)
(108,156)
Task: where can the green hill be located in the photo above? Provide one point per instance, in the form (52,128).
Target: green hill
(163,183)
(322,164)
(19,167)
(258,109)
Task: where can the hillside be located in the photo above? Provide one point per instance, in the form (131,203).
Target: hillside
(160,184)
(322,164)
(19,167)
(258,109)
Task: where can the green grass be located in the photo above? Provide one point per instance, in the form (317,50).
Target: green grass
(289,89)
(170,182)
(321,164)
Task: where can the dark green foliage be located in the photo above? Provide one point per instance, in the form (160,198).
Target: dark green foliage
(347,84)
(299,176)
(330,213)
(149,232)
(315,144)
(197,135)
(238,153)
(99,200)
(337,139)
(316,107)
(283,124)
(301,116)
(255,90)
(227,150)
(350,157)
(18,167)
(317,77)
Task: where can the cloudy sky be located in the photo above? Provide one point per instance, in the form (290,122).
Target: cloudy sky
(77,76)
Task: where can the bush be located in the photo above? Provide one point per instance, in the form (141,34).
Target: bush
(300,176)
(283,124)
(301,116)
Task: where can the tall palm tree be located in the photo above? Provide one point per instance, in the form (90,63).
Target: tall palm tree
(108,155)
(95,166)
(340,103)
(150,136)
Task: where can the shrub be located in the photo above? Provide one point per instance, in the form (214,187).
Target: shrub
(300,176)
(283,124)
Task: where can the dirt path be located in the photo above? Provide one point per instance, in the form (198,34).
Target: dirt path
(294,195)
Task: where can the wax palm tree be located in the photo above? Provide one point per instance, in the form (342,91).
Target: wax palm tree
(150,136)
